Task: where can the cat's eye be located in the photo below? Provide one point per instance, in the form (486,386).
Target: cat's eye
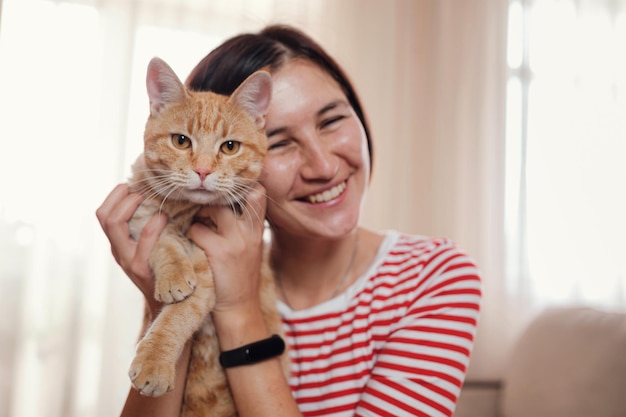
(230,147)
(181,141)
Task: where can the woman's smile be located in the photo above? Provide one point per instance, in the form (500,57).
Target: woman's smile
(327,195)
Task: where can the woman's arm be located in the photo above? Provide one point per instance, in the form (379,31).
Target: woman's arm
(421,367)
(235,252)
(132,256)
(259,389)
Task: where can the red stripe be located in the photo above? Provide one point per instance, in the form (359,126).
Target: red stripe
(328,410)
(426,358)
(328,396)
(331,381)
(435,388)
(403,405)
(442,330)
(405,390)
(450,282)
(434,307)
(420,371)
(431,343)
(335,365)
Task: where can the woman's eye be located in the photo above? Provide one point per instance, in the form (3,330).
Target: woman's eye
(331,120)
(230,147)
(278,144)
(181,141)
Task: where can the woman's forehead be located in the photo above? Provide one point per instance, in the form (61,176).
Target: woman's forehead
(303,86)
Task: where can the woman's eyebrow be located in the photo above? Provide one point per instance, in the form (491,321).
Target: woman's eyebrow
(330,106)
(275,131)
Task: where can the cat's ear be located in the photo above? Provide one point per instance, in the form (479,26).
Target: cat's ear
(253,95)
(164,86)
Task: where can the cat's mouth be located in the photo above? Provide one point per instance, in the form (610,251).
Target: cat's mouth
(203,196)
(327,195)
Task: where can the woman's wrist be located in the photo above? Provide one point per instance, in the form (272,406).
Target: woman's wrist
(239,326)
(153,308)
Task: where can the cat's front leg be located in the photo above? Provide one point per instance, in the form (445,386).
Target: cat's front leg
(153,369)
(175,278)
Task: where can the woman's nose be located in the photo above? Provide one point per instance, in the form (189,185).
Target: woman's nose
(320,163)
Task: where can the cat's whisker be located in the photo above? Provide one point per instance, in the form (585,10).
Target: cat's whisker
(173,189)
(242,188)
(276,206)
(153,180)
(251,213)
(153,194)
(238,193)
(245,188)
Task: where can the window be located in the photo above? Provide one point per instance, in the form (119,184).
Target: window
(566,151)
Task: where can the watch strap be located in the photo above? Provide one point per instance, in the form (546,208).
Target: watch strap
(254,352)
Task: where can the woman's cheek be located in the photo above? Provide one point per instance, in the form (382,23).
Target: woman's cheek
(353,142)
(279,173)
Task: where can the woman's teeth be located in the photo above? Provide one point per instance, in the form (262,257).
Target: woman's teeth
(327,195)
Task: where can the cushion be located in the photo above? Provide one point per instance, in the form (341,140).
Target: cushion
(569,362)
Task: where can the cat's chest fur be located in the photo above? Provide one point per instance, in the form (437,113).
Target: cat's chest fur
(180,213)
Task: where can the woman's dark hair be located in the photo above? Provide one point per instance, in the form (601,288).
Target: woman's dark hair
(228,65)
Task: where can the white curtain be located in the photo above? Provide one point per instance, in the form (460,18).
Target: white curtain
(571,181)
(566,157)
(433,77)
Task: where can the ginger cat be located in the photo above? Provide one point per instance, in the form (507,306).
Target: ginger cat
(199,148)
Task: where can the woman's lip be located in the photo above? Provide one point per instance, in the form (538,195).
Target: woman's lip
(327,195)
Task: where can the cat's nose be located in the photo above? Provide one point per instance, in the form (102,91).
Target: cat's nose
(203,173)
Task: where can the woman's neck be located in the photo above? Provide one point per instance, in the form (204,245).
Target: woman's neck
(311,271)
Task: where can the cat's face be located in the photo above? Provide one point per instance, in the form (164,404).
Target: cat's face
(203,147)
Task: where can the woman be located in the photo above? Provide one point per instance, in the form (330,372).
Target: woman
(376,323)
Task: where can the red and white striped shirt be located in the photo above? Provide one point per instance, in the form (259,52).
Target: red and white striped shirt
(397,342)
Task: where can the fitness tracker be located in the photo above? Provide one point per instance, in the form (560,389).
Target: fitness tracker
(253,352)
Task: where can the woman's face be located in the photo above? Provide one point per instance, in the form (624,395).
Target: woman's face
(317,167)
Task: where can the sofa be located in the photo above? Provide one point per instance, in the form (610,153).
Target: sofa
(569,362)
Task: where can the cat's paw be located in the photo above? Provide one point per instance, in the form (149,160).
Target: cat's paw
(174,285)
(151,378)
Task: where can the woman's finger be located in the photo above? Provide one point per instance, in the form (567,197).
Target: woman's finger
(255,205)
(148,238)
(111,201)
(116,224)
(252,214)
(152,230)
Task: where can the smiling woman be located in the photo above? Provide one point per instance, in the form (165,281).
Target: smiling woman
(73,104)
(414,325)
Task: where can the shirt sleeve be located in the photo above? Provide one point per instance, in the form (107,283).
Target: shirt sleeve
(421,365)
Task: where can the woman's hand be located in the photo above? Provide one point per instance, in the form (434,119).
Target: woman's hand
(234,249)
(131,255)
